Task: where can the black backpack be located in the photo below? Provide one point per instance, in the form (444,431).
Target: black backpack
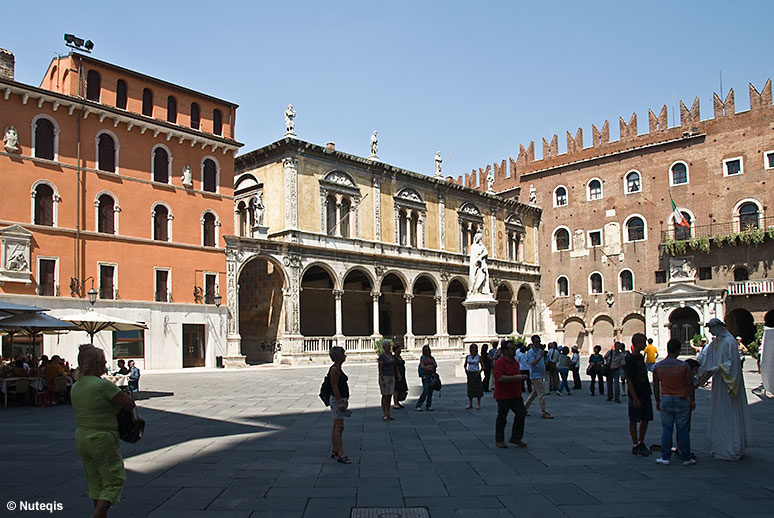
(326,391)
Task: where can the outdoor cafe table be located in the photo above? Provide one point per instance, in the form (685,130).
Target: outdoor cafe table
(34,383)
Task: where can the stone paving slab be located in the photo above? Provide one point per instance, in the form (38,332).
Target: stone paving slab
(255,443)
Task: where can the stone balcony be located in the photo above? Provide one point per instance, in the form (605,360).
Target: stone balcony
(751,287)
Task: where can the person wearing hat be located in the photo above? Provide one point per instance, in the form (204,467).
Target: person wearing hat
(729,430)
(575,368)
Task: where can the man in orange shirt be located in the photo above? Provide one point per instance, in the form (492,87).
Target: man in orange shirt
(675,399)
(651,353)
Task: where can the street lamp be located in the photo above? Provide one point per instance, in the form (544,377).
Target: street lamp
(218,300)
(92,294)
(77,287)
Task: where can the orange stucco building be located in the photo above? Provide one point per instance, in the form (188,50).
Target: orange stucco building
(122,182)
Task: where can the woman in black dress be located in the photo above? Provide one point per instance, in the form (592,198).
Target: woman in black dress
(401,386)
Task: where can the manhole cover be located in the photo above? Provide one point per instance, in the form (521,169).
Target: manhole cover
(389,512)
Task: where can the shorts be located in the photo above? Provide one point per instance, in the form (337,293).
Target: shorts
(649,366)
(387,385)
(335,411)
(644,413)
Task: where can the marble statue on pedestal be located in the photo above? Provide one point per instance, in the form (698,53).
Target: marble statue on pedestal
(478,269)
(290,121)
(11,139)
(374,146)
(490,183)
(438,162)
(532,195)
(257,208)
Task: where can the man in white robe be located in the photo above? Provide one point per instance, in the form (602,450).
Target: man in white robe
(729,429)
(767,353)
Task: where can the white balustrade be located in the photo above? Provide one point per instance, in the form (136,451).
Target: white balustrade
(752,287)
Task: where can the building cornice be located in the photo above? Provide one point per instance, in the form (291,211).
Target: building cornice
(118,116)
(291,146)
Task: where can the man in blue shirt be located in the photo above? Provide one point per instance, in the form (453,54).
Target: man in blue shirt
(537,373)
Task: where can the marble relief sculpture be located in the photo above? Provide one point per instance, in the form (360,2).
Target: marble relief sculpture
(11,139)
(187,177)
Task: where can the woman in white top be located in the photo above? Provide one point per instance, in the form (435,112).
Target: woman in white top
(473,371)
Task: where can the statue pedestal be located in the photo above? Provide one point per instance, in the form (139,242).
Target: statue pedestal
(260,232)
(480,319)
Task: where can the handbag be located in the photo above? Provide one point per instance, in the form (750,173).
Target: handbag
(326,391)
(130,427)
(435,383)
(605,369)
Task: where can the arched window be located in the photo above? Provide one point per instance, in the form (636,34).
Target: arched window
(161,222)
(331,216)
(161,165)
(121,94)
(681,231)
(741,274)
(596,285)
(243,219)
(562,239)
(44,205)
(171,109)
(678,174)
(93,85)
(45,138)
(748,216)
(635,228)
(560,196)
(147,102)
(626,279)
(346,207)
(208,222)
(633,182)
(217,122)
(106,153)
(106,211)
(562,287)
(195,116)
(594,191)
(209,175)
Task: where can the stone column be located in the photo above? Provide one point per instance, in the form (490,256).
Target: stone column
(337,294)
(409,316)
(515,316)
(290,166)
(438,315)
(420,229)
(375,297)
(339,216)
(493,232)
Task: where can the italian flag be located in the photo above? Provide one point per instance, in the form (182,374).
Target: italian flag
(680,220)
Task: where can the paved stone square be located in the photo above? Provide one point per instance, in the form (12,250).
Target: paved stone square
(255,442)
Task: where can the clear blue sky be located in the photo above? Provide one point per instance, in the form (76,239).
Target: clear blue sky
(471,79)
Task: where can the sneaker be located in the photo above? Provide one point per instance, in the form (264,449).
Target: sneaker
(428,409)
(616,400)
(521,444)
(641,449)
(501,445)
(689,462)
(569,393)
(663,462)
(418,409)
(558,393)
(609,399)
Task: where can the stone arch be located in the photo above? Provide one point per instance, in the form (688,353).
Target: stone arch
(456,292)
(504,309)
(631,324)
(603,327)
(392,305)
(325,266)
(525,302)
(423,320)
(317,302)
(684,324)
(575,333)
(261,285)
(245,181)
(741,323)
(357,286)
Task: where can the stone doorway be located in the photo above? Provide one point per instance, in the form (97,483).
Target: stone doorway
(683,325)
(260,309)
(740,322)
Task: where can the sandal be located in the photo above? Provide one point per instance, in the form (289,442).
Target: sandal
(343,460)
(546,415)
(334,454)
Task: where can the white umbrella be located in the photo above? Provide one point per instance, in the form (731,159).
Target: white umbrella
(93,322)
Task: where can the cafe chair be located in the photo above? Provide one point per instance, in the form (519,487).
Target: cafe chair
(60,389)
(19,389)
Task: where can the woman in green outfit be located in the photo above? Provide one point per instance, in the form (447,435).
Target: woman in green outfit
(96,402)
